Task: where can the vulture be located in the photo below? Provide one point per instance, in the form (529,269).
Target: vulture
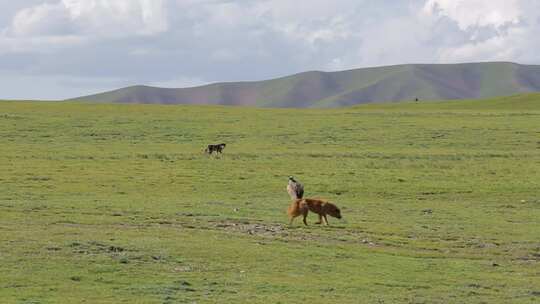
(295,189)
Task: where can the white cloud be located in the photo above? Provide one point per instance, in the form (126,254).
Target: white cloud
(496,30)
(477,13)
(41,20)
(190,42)
(91,18)
(494,49)
(118,17)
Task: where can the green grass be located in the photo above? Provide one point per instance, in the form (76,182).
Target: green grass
(117,203)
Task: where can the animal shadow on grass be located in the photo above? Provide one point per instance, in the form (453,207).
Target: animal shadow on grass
(314,227)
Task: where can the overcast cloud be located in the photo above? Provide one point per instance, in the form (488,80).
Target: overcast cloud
(52,49)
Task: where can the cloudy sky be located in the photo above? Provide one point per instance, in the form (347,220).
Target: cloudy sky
(52,49)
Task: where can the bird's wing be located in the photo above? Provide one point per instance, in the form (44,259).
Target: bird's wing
(291,189)
(299,190)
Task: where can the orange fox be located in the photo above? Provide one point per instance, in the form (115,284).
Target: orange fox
(321,207)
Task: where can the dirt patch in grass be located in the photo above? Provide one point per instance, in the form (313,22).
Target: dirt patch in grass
(259,229)
(286,233)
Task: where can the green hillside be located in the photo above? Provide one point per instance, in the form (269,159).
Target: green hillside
(115,203)
(334,89)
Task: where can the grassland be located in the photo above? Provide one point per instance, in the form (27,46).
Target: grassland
(104,203)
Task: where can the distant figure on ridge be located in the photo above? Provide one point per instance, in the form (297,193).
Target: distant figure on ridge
(295,189)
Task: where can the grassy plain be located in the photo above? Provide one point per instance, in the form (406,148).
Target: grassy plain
(103,203)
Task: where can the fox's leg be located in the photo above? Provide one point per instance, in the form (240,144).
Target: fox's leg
(291,219)
(293,212)
(320,219)
(305,213)
(325,220)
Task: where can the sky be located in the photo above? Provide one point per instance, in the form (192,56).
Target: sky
(56,49)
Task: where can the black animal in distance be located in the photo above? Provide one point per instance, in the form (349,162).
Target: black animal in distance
(217,148)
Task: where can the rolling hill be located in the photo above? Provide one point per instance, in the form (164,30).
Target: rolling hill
(344,88)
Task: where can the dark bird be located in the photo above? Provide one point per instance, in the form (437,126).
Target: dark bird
(295,189)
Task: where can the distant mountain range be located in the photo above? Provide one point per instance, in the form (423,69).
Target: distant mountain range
(335,89)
